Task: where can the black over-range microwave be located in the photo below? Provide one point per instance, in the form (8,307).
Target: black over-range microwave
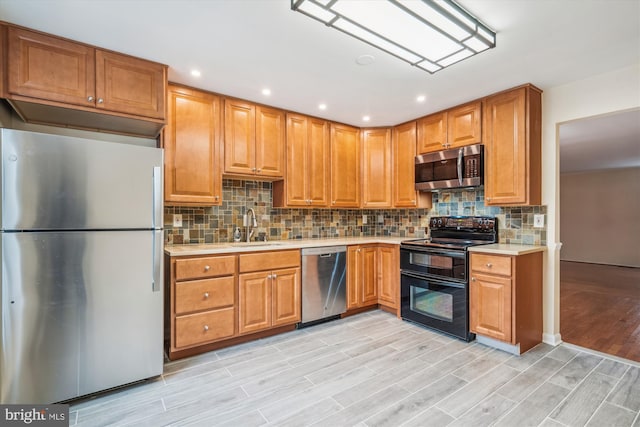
(457,168)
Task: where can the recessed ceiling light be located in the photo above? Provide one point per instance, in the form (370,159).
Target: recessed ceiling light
(366,118)
(421,98)
(365,59)
(266,91)
(195,73)
(322,106)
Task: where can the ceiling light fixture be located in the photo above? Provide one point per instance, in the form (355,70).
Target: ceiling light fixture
(322,106)
(266,91)
(195,73)
(426,33)
(421,98)
(366,118)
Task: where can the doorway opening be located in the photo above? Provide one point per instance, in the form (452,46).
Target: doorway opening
(600,233)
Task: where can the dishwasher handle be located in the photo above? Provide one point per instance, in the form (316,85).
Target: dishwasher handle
(326,250)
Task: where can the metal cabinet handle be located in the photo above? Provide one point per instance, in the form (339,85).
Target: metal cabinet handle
(473,279)
(207,268)
(206,328)
(488,199)
(258,170)
(90,98)
(274,276)
(206,295)
(253,169)
(100,100)
(216,197)
(489,265)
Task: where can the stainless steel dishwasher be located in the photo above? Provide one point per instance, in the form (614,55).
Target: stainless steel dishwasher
(324,284)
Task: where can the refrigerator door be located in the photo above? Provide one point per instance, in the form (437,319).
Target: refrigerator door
(52,182)
(80,313)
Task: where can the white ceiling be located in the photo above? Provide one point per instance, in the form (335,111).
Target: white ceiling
(243,46)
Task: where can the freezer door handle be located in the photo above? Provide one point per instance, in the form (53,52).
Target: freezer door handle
(156,274)
(157,197)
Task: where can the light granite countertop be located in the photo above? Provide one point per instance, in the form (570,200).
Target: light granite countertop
(507,249)
(275,245)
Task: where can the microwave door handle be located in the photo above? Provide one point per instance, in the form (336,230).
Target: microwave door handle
(460,154)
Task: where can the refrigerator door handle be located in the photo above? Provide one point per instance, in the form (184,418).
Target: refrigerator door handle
(156,276)
(157,197)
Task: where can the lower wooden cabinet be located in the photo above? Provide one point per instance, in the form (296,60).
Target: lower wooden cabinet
(505,298)
(373,276)
(269,290)
(201,300)
(210,299)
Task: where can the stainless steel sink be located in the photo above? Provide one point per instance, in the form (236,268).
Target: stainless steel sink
(254,244)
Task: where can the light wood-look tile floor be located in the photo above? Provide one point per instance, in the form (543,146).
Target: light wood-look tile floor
(375,370)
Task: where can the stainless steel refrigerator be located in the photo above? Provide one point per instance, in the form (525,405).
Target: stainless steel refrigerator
(81,248)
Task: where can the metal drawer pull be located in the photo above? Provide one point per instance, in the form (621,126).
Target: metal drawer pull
(206,328)
(206,295)
(489,265)
(473,279)
(100,100)
(206,268)
(90,98)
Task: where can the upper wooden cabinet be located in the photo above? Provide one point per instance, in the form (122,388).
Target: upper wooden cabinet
(376,168)
(512,138)
(453,128)
(44,70)
(253,140)
(345,166)
(193,173)
(307,175)
(403,154)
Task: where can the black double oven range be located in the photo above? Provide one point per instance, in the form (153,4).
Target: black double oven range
(434,284)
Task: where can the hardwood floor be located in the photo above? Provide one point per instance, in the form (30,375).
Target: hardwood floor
(600,308)
(375,370)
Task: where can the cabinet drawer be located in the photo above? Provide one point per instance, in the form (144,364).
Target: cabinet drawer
(491,264)
(207,294)
(195,268)
(203,327)
(269,260)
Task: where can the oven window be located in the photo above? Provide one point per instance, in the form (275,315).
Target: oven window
(426,260)
(431,303)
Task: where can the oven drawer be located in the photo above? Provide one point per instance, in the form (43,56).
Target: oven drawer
(491,264)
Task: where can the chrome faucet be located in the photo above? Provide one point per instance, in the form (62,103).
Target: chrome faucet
(251,223)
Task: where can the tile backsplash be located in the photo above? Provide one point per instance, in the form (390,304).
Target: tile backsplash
(216,224)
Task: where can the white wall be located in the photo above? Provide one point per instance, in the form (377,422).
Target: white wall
(614,91)
(599,221)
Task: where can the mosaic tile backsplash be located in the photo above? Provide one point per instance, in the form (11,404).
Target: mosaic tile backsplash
(216,224)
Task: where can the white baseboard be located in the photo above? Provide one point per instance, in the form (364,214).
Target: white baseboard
(552,339)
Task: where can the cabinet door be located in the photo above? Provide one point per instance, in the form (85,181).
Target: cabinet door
(490,306)
(345,166)
(464,125)
(432,133)
(505,156)
(376,168)
(192,170)
(269,142)
(285,296)
(129,85)
(511,133)
(50,68)
(354,274)
(318,165)
(239,137)
(369,282)
(254,302)
(404,153)
(297,173)
(389,274)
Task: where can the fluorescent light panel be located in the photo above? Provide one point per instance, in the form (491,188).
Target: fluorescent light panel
(426,33)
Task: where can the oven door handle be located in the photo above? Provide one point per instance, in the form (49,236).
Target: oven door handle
(436,252)
(435,281)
